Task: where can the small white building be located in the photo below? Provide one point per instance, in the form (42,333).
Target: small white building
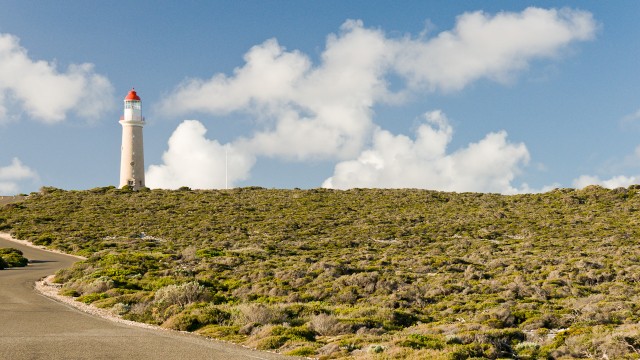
(132,151)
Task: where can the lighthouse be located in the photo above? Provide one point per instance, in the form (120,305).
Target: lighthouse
(132,153)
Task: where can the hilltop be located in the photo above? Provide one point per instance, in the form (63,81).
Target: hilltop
(327,273)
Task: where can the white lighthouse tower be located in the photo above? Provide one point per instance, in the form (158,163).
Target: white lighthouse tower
(132,157)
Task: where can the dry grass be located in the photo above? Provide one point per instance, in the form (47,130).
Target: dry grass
(4,200)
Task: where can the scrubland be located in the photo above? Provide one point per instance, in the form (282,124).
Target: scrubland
(363,273)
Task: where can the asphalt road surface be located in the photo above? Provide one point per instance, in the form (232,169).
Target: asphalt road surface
(33,326)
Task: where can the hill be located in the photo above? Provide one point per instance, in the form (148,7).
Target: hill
(378,273)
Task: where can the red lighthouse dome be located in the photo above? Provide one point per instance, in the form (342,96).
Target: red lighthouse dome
(132,96)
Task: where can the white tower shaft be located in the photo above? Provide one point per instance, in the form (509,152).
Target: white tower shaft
(132,151)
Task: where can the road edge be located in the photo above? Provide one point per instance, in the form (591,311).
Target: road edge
(47,288)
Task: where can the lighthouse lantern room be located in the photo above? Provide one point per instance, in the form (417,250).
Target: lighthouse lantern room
(132,152)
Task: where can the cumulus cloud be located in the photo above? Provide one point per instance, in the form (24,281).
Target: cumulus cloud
(325,111)
(396,161)
(611,183)
(11,175)
(485,46)
(36,88)
(304,111)
(195,161)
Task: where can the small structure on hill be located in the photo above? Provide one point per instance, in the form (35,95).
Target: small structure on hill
(132,152)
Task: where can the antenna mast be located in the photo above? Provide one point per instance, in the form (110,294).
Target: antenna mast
(226,168)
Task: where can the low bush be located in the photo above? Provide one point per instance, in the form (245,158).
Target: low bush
(302,351)
(258,314)
(13,257)
(300,333)
(418,341)
(327,325)
(180,295)
(183,321)
(223,332)
(272,342)
(89,298)
(69,292)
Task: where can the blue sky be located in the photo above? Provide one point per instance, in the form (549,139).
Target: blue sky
(334,93)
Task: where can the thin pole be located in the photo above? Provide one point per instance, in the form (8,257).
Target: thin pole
(226,169)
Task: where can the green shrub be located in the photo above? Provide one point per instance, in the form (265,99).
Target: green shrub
(89,298)
(13,257)
(400,319)
(7,251)
(527,350)
(208,253)
(184,321)
(212,315)
(126,188)
(44,240)
(69,292)
(302,351)
(464,352)
(221,332)
(272,342)
(418,341)
(295,333)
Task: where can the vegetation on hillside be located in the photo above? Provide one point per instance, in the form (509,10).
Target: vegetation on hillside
(377,273)
(10,257)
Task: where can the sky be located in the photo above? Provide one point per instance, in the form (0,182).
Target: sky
(502,96)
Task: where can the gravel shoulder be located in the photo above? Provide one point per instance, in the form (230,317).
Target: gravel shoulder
(48,288)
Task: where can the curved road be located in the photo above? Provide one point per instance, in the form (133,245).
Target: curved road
(33,326)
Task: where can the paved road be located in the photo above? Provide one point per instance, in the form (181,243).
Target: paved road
(33,326)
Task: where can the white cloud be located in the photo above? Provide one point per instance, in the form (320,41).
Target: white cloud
(324,111)
(37,88)
(630,118)
(268,76)
(526,189)
(615,181)
(484,46)
(195,161)
(396,161)
(11,175)
(612,183)
(304,112)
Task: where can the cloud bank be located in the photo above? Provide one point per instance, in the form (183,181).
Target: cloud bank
(195,161)
(11,175)
(396,161)
(306,111)
(35,87)
(611,183)
(492,47)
